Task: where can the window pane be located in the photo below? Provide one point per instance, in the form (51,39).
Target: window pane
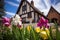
(24,8)
(29,15)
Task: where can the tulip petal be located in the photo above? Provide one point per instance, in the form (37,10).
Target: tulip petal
(7,24)
(43,22)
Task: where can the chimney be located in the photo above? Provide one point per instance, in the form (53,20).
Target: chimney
(32,3)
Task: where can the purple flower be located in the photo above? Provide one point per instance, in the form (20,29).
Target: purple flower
(6,21)
(39,25)
(43,22)
(7,24)
(48,25)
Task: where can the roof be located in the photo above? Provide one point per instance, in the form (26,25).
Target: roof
(53,9)
(35,9)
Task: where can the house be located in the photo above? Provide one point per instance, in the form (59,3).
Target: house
(28,12)
(53,15)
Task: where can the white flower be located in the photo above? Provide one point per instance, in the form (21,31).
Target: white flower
(17,17)
(16,20)
(20,23)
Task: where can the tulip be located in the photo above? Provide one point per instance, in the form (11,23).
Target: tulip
(7,24)
(39,25)
(17,17)
(29,28)
(43,22)
(16,20)
(19,24)
(6,21)
(43,35)
(47,25)
(47,31)
(37,29)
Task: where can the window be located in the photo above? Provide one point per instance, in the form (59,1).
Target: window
(24,20)
(24,8)
(29,15)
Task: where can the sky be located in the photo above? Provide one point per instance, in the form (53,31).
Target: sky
(11,6)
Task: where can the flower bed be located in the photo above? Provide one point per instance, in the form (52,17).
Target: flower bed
(29,33)
(43,31)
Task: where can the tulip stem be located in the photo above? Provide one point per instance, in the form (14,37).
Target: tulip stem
(44,39)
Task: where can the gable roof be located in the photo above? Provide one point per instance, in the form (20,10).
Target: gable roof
(35,9)
(53,9)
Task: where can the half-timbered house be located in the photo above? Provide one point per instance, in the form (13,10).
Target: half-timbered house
(28,12)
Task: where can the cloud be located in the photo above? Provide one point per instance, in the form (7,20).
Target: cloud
(46,10)
(29,0)
(56,1)
(18,0)
(57,7)
(12,3)
(47,3)
(10,13)
(42,5)
(38,4)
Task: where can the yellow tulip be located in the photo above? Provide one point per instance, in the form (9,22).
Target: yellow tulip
(44,35)
(47,31)
(37,29)
(28,27)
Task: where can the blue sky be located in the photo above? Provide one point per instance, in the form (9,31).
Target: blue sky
(11,6)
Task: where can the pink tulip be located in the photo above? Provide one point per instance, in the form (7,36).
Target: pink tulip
(6,21)
(7,24)
(19,26)
(48,25)
(43,22)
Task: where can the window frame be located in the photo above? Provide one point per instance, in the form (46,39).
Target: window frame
(24,8)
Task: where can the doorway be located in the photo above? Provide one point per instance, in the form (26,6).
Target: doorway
(54,20)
